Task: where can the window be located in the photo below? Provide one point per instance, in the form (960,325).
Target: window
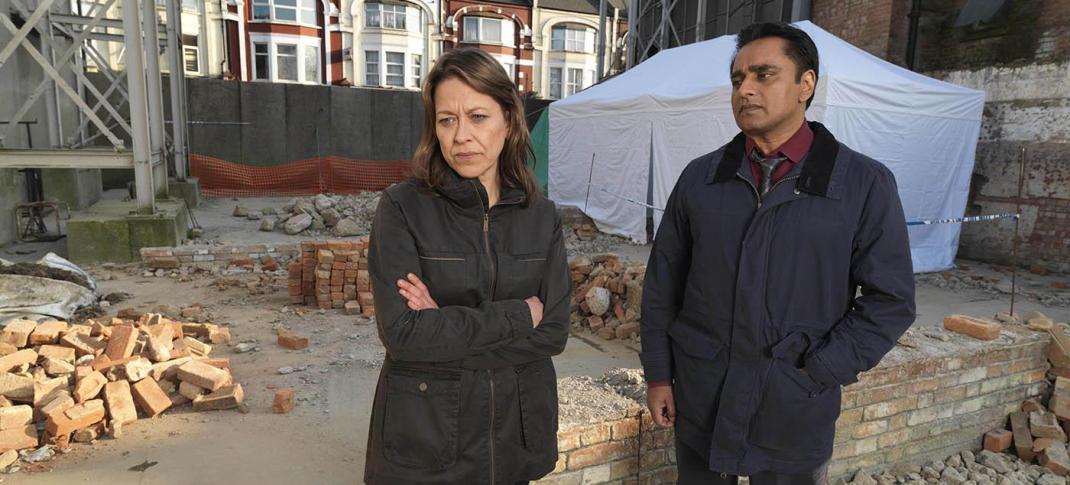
(574,38)
(417,70)
(575,80)
(483,29)
(312,64)
(395,69)
(508,66)
(285,10)
(385,15)
(371,68)
(555,82)
(191,54)
(286,61)
(263,60)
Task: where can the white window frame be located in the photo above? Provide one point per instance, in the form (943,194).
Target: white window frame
(302,43)
(303,11)
(400,76)
(398,12)
(267,56)
(378,72)
(417,69)
(572,38)
(196,51)
(572,84)
(476,36)
(556,88)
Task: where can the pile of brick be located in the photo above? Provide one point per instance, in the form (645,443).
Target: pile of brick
(82,382)
(608,295)
(333,274)
(1038,432)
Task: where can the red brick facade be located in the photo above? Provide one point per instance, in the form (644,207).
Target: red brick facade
(522,48)
(320,32)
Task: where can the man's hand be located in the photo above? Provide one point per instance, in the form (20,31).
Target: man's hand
(414,290)
(662,407)
(535,305)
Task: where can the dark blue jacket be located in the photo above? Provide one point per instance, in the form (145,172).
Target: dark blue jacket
(740,294)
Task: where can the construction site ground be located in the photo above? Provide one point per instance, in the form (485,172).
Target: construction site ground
(323,440)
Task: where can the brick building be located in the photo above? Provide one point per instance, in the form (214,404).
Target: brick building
(1019,54)
(293,41)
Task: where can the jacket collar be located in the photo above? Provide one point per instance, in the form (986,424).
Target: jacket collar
(469,194)
(817,171)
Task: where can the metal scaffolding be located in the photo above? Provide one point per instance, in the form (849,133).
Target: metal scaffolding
(656,25)
(67,44)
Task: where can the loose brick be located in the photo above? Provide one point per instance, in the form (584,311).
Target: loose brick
(1032,405)
(998,441)
(1059,350)
(119,401)
(1055,458)
(352,308)
(7,349)
(16,387)
(226,397)
(190,391)
(150,397)
(83,344)
(47,332)
(22,357)
(203,375)
(219,363)
(88,435)
(15,417)
(121,343)
(219,336)
(58,405)
(47,390)
(291,341)
(158,350)
(1045,425)
(19,438)
(137,369)
(89,387)
(17,332)
(57,352)
(284,401)
(55,367)
(75,418)
(1023,439)
(973,327)
(196,347)
(168,370)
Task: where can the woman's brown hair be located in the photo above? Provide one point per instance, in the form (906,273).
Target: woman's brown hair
(481,72)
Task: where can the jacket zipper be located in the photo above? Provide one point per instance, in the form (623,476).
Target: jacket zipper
(758,196)
(490,372)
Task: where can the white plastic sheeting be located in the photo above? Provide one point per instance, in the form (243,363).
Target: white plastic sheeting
(676,106)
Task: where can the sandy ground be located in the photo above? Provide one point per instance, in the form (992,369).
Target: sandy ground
(323,440)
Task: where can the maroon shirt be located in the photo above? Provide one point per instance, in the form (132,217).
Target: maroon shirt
(794,150)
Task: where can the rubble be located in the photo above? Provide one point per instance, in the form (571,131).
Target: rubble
(607,297)
(339,215)
(75,382)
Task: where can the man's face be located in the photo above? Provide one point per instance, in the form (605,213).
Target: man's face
(766,97)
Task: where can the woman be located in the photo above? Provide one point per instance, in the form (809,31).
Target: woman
(471,293)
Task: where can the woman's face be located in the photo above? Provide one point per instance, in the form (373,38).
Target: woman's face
(471,129)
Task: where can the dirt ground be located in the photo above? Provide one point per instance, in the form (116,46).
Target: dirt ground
(323,440)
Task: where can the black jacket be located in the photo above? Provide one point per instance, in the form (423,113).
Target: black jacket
(468,392)
(739,294)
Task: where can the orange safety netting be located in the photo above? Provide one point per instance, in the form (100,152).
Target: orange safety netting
(330,174)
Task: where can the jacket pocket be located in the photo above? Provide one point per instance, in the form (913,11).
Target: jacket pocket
(537,386)
(796,414)
(521,274)
(420,417)
(699,369)
(449,275)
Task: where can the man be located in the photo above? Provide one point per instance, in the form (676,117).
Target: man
(752,318)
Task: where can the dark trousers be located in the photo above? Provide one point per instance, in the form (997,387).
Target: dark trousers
(693,469)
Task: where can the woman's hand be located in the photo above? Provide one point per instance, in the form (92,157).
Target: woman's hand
(414,290)
(535,305)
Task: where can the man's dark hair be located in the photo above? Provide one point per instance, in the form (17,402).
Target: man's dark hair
(798,46)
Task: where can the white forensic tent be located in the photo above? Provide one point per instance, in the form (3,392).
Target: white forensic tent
(641,128)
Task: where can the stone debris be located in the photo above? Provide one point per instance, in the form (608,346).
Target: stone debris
(607,297)
(65,382)
(337,215)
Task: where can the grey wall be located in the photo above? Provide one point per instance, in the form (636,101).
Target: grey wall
(289,122)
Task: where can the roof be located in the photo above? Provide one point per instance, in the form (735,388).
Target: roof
(584,6)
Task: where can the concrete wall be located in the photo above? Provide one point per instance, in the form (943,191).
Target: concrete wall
(289,122)
(11,193)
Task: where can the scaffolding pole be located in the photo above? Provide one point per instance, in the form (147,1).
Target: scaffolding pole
(178,88)
(139,107)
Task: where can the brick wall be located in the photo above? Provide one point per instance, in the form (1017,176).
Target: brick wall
(865,24)
(922,403)
(206,254)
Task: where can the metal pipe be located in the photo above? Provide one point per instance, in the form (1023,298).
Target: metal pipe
(139,108)
(633,20)
(912,35)
(1017,223)
(177,78)
(601,61)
